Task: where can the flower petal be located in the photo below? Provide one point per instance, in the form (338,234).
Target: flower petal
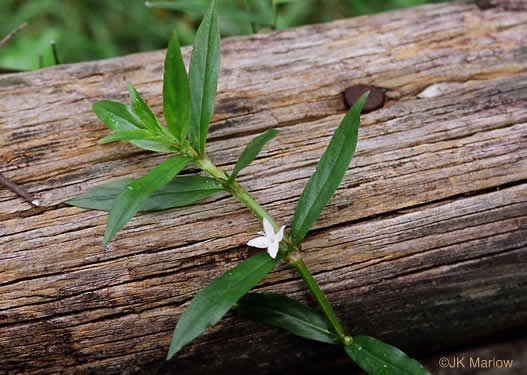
(261,242)
(273,249)
(280,235)
(269,230)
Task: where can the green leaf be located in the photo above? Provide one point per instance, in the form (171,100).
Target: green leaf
(121,118)
(265,10)
(128,202)
(133,135)
(117,116)
(181,191)
(330,171)
(143,111)
(209,305)
(377,358)
(204,69)
(286,313)
(153,145)
(251,150)
(176,92)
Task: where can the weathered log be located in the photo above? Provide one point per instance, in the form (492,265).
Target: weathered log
(423,245)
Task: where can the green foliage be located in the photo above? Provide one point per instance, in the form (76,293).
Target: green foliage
(129,201)
(378,358)
(251,150)
(286,313)
(209,305)
(181,191)
(203,72)
(142,111)
(128,126)
(176,92)
(330,171)
(225,9)
(95,29)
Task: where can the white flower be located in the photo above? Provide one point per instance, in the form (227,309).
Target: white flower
(270,239)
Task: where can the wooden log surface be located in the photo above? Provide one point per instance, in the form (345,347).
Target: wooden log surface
(424,243)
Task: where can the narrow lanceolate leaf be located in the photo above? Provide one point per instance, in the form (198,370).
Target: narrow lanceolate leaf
(142,110)
(128,202)
(330,171)
(204,69)
(153,145)
(176,91)
(377,358)
(181,191)
(251,150)
(286,313)
(117,116)
(264,10)
(133,135)
(209,306)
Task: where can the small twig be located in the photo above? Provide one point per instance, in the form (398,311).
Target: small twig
(18,190)
(12,34)
(40,62)
(55,54)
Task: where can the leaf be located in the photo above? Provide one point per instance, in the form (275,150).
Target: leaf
(181,191)
(264,9)
(209,305)
(204,69)
(176,91)
(117,116)
(152,145)
(121,118)
(286,313)
(143,111)
(330,171)
(251,150)
(132,135)
(128,202)
(378,358)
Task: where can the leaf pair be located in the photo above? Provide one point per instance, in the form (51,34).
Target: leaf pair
(188,106)
(188,101)
(372,355)
(214,301)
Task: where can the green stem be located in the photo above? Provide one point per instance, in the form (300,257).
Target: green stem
(236,190)
(295,260)
(243,196)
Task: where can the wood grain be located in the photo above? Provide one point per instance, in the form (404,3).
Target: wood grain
(423,245)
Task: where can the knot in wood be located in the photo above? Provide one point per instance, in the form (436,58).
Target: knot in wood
(375,100)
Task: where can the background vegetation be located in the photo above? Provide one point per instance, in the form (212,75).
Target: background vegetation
(94,29)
